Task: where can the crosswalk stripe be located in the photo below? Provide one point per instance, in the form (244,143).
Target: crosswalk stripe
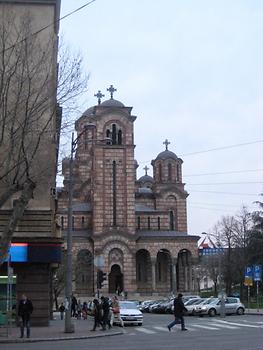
(224,326)
(240,324)
(159,328)
(205,327)
(144,330)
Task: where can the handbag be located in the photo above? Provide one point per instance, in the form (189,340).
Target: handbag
(116,310)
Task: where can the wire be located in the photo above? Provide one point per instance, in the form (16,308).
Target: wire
(49,25)
(226,172)
(227,183)
(232,193)
(223,147)
(219,204)
(213,149)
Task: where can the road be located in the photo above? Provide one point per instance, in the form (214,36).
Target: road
(233,332)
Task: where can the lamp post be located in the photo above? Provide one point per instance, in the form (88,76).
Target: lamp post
(69,326)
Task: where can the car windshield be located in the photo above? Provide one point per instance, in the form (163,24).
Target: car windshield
(199,301)
(191,302)
(128,305)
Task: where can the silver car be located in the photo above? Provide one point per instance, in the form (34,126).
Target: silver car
(212,307)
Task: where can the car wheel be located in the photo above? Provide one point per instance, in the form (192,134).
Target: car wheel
(139,324)
(212,312)
(240,311)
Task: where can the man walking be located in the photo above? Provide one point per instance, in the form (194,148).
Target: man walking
(179,309)
(25,309)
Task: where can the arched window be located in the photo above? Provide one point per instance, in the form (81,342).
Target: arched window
(160,172)
(171,220)
(82,222)
(149,223)
(178,172)
(169,172)
(114,133)
(159,222)
(138,223)
(62,222)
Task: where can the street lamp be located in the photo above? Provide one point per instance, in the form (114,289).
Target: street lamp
(69,327)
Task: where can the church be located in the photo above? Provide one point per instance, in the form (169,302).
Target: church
(133,230)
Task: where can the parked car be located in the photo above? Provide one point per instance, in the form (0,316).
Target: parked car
(129,313)
(212,307)
(191,303)
(160,308)
(144,306)
(155,305)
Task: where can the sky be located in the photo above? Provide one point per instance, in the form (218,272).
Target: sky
(193,73)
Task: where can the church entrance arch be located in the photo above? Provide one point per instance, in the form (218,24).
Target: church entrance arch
(115,279)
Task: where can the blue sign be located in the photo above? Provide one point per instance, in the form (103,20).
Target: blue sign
(249,272)
(257,272)
(211,251)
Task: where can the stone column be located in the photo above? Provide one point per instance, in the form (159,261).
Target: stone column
(174,284)
(153,262)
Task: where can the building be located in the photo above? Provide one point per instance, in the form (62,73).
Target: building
(133,230)
(28,45)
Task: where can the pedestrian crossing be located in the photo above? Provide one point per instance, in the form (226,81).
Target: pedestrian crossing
(215,325)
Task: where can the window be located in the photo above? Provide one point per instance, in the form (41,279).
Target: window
(149,223)
(178,172)
(171,220)
(169,172)
(159,272)
(73,223)
(159,223)
(82,222)
(138,223)
(160,172)
(62,222)
(115,134)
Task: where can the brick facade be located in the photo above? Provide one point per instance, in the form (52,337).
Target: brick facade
(136,228)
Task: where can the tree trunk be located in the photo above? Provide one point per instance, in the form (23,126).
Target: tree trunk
(16,215)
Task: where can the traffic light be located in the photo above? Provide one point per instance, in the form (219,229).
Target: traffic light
(101,277)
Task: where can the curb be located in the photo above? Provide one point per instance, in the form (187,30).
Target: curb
(35,340)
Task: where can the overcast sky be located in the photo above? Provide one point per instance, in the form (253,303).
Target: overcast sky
(193,73)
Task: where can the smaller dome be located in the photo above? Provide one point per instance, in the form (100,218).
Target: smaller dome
(166,155)
(145,190)
(146,178)
(88,111)
(112,103)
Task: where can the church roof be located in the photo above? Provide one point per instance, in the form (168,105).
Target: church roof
(143,208)
(167,155)
(88,111)
(112,103)
(146,178)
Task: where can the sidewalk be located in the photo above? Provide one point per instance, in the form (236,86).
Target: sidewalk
(55,332)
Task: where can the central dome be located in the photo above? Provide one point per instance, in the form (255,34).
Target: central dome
(112,103)
(166,155)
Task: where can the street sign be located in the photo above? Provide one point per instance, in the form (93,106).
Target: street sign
(257,272)
(248,276)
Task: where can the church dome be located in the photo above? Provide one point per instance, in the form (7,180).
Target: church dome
(112,103)
(146,178)
(88,111)
(166,155)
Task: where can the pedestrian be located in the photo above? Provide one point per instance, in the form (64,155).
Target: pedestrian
(116,311)
(85,310)
(179,309)
(61,310)
(79,309)
(97,313)
(25,309)
(106,310)
(74,304)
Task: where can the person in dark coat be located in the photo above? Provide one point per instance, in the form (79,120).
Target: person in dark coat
(106,311)
(74,304)
(179,309)
(97,313)
(25,309)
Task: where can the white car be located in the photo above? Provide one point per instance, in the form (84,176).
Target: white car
(130,314)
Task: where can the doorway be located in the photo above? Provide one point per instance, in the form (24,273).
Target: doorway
(115,279)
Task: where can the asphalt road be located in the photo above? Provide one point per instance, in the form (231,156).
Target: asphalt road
(233,332)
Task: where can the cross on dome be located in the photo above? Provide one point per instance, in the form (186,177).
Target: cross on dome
(99,96)
(111,90)
(146,169)
(166,143)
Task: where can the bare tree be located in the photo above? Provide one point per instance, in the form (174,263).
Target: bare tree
(33,88)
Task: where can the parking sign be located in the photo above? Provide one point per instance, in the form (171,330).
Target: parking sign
(257,272)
